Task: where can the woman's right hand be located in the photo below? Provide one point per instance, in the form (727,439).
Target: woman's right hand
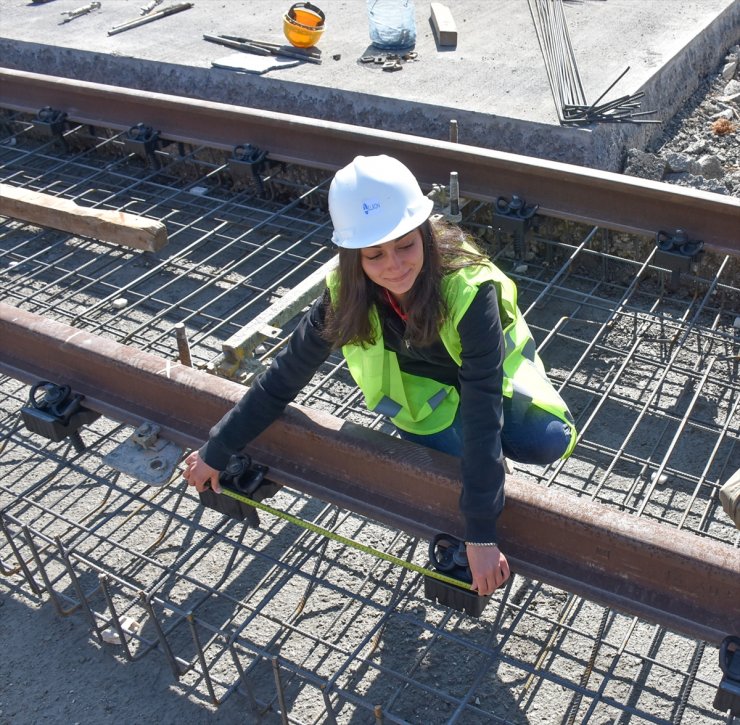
(199,474)
(489,568)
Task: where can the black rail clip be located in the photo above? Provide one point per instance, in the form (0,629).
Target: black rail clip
(143,141)
(56,413)
(513,216)
(246,478)
(728,692)
(51,122)
(249,162)
(448,556)
(677,253)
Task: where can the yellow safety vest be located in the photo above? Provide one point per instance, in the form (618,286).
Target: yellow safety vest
(424,406)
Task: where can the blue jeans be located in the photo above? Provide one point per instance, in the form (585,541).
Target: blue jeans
(529,435)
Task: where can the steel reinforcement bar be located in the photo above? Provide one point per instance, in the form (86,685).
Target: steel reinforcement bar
(562,190)
(635,565)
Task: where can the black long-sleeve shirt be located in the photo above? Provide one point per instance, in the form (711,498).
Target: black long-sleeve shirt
(478,380)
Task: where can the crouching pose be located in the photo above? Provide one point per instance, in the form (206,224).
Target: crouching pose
(433,337)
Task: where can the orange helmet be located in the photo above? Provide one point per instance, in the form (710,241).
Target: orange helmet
(303,25)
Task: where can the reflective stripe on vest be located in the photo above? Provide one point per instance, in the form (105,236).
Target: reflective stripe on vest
(423,406)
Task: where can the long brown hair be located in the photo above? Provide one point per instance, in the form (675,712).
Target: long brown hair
(348,321)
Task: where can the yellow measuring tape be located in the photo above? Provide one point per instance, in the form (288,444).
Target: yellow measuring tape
(344,540)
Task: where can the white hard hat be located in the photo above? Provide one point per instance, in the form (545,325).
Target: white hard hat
(373,200)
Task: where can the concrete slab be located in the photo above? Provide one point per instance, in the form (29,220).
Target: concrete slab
(493,82)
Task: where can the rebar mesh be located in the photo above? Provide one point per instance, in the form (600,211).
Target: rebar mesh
(291,621)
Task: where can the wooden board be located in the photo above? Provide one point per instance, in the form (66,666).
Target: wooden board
(55,212)
(444,26)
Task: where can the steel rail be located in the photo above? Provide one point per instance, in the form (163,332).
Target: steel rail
(562,190)
(636,565)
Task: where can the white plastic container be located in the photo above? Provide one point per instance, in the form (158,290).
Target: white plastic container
(392,24)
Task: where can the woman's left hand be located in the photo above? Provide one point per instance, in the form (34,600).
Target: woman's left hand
(489,568)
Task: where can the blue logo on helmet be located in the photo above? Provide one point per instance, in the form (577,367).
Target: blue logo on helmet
(370,205)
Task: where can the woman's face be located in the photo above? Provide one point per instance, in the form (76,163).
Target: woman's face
(395,265)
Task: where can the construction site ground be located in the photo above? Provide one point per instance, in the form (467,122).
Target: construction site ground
(650,373)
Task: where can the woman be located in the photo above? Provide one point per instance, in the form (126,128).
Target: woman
(432,336)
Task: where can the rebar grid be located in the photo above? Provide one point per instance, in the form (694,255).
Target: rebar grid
(105,547)
(300,624)
(665,380)
(226,259)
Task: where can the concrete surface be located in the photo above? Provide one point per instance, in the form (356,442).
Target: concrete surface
(493,83)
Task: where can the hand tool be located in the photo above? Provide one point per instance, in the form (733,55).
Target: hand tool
(257,47)
(244,476)
(163,13)
(77,12)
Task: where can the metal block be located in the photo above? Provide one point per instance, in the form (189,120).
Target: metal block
(514,217)
(245,478)
(142,140)
(448,555)
(229,507)
(249,163)
(50,121)
(462,600)
(55,412)
(677,253)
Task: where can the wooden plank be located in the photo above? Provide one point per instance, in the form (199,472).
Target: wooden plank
(243,342)
(55,212)
(444,25)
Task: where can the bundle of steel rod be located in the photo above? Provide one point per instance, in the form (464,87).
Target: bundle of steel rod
(565,81)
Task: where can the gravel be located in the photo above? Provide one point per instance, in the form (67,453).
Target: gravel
(700,146)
